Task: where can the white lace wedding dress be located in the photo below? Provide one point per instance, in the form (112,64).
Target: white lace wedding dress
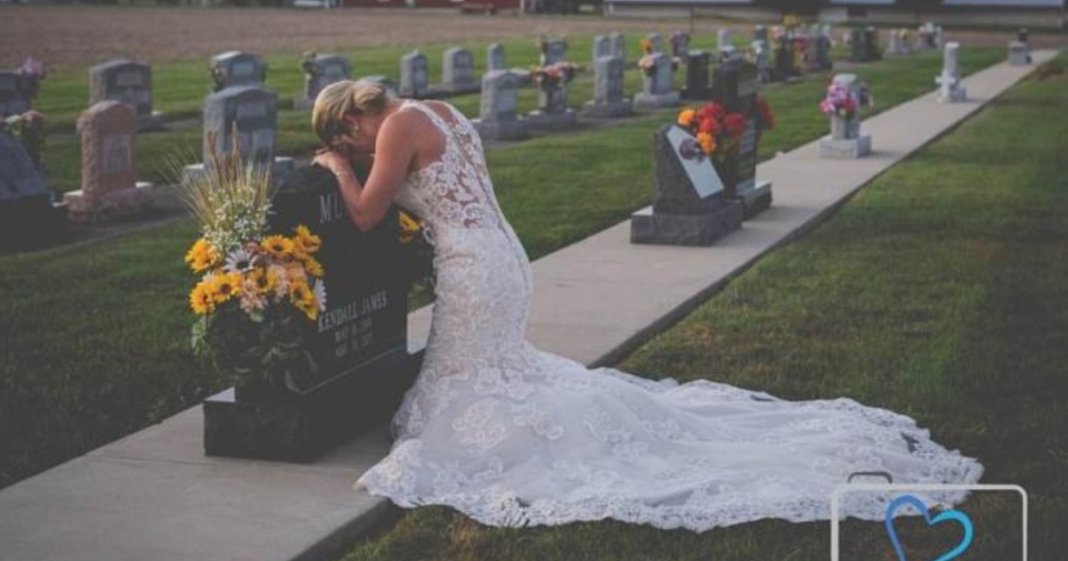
(511,436)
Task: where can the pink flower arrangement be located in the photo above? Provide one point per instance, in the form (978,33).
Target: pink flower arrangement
(843,101)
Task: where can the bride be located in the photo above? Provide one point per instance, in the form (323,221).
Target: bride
(512,436)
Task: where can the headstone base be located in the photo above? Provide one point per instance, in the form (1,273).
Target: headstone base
(648,227)
(114,204)
(301,427)
(608,110)
(281,167)
(502,130)
(954,95)
(757,199)
(153,122)
(846,148)
(31,222)
(557,120)
(643,100)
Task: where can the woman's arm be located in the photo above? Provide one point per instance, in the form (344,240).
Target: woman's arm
(394,150)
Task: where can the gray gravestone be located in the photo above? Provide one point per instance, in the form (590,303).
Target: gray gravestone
(846,140)
(320,71)
(236,68)
(414,75)
(553,51)
(126,82)
(658,89)
(458,71)
(762,60)
(608,100)
(723,39)
(1019,53)
(949,87)
(618,46)
(13,98)
(495,57)
(552,111)
(252,113)
(498,115)
(109,164)
(656,41)
(690,206)
(602,46)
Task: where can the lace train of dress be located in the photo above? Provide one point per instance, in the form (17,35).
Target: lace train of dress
(512,436)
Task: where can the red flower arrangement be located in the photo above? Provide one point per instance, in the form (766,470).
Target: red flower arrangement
(718,132)
(554,75)
(767,118)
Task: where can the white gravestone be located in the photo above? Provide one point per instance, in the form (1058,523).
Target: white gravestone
(949,86)
(415,75)
(846,140)
(319,72)
(458,71)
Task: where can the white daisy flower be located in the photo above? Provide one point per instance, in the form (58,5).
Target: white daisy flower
(319,290)
(239,261)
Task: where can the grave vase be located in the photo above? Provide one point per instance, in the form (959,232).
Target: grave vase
(844,128)
(727,170)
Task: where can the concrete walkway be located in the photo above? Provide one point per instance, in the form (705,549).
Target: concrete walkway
(154,495)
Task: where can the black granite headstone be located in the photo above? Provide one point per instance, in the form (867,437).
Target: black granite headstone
(735,88)
(689,206)
(28,217)
(858,47)
(697,76)
(359,342)
(871,44)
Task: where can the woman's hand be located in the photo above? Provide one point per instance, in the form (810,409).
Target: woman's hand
(334,161)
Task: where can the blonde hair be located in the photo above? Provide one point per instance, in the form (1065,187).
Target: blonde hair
(347,97)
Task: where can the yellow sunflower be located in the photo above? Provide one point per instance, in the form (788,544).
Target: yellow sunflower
(202,298)
(202,256)
(301,295)
(280,247)
(409,227)
(264,280)
(226,286)
(313,267)
(305,241)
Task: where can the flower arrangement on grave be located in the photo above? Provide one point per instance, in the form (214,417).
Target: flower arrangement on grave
(765,116)
(646,45)
(791,21)
(554,75)
(716,132)
(256,291)
(29,127)
(307,62)
(415,240)
(843,102)
(680,41)
(32,72)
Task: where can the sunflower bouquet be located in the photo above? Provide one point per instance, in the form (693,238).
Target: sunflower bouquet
(257,291)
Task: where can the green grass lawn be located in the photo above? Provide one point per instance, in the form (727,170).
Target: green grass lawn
(97,334)
(938,292)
